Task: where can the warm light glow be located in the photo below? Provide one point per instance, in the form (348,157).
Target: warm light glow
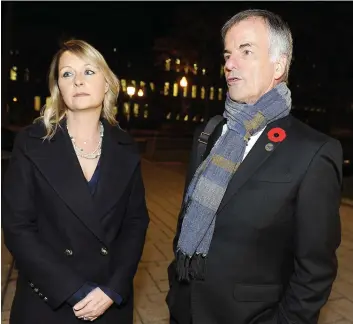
(140,93)
(186,118)
(220,93)
(212,93)
(169,115)
(175,89)
(203,92)
(123,84)
(37,103)
(183,82)
(13,73)
(194,91)
(167,64)
(203,71)
(14,99)
(166,88)
(131,90)
(136,110)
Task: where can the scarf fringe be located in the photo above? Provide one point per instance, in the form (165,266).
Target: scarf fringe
(188,269)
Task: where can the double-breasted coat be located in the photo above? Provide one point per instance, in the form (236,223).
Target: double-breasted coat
(61,236)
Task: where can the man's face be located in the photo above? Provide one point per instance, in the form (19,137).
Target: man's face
(248,68)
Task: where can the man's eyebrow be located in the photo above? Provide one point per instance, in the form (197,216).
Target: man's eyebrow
(246,45)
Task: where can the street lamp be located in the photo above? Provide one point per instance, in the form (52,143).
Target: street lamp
(183,82)
(140,93)
(131,91)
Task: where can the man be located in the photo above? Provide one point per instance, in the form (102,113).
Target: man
(259,226)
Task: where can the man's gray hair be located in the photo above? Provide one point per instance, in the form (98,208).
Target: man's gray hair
(281,41)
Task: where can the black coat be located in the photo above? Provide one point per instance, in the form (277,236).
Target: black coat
(61,236)
(272,257)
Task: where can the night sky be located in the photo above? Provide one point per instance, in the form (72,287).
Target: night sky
(322,31)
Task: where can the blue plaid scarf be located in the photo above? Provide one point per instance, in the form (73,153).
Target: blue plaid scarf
(210,181)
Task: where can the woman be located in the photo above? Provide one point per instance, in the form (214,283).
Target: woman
(74,215)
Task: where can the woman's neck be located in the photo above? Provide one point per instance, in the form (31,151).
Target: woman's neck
(83,125)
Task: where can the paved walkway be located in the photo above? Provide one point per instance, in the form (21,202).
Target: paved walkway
(164,185)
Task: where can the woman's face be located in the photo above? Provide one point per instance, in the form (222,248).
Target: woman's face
(82,85)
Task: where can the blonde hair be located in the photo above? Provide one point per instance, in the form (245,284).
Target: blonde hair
(54,112)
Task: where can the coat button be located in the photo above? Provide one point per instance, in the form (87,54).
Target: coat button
(45,299)
(36,290)
(68,252)
(104,251)
(31,284)
(40,295)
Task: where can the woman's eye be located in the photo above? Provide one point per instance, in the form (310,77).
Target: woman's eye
(66,74)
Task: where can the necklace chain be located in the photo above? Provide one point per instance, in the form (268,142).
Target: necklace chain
(91,155)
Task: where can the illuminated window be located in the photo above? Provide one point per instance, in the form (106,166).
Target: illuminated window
(166,88)
(186,118)
(152,86)
(203,92)
(167,64)
(185,92)
(220,93)
(14,99)
(194,119)
(13,73)
(177,117)
(168,116)
(222,71)
(48,101)
(37,103)
(133,82)
(123,85)
(115,110)
(136,110)
(126,109)
(142,84)
(212,93)
(203,71)
(186,69)
(193,91)
(195,68)
(177,65)
(175,89)
(145,114)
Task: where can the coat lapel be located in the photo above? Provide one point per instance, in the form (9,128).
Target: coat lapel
(255,158)
(118,162)
(58,163)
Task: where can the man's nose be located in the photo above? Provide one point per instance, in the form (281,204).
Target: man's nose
(231,63)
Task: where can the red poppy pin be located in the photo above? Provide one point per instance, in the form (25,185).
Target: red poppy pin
(276,134)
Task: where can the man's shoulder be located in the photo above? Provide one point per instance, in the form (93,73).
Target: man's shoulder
(306,133)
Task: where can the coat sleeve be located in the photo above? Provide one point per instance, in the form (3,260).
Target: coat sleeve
(46,273)
(129,246)
(317,237)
